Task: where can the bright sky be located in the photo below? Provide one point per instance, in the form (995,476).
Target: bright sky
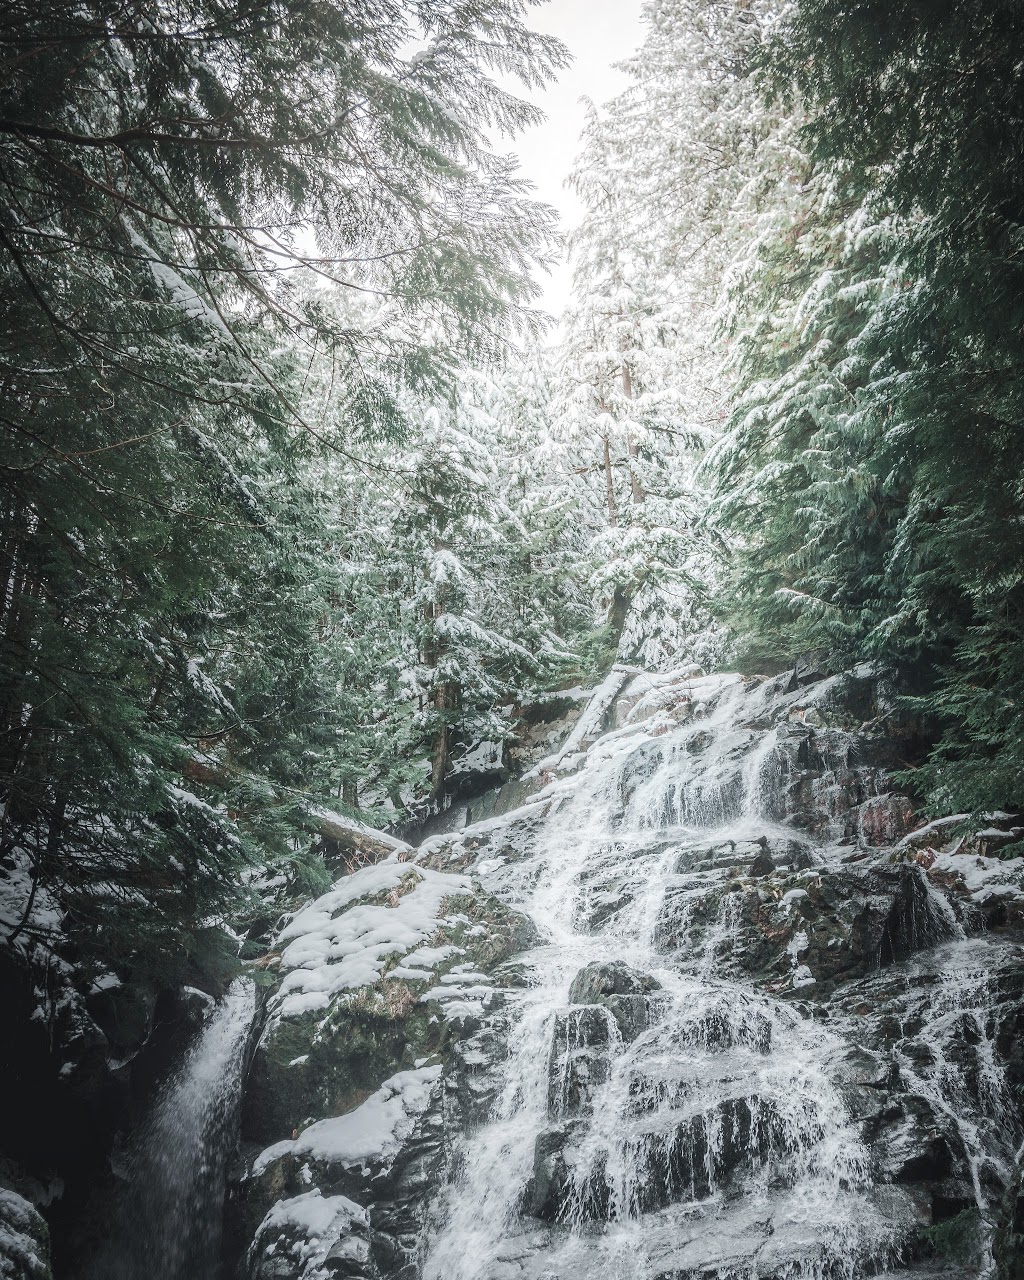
(598,33)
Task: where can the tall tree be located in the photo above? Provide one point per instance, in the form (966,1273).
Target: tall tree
(889,400)
(169,180)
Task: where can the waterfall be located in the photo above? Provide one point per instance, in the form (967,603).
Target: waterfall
(168,1224)
(677,1122)
(756,1035)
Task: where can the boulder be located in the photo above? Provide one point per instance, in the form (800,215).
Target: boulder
(609,978)
(809,668)
(580,1059)
(621,990)
(763,864)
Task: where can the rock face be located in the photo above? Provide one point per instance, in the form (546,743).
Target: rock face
(384,1004)
(79,1055)
(711,1004)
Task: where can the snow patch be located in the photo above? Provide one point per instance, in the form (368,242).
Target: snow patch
(374,1131)
(321,1224)
(340,942)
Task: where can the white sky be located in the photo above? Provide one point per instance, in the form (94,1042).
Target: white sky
(597,33)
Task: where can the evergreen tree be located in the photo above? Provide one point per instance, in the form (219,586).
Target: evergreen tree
(886,405)
(169,182)
(671,172)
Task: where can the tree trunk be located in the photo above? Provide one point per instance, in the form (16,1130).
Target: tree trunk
(636,487)
(447,698)
(622,598)
(349,833)
(613,511)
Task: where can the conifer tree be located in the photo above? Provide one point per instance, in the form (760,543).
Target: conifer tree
(169,182)
(880,422)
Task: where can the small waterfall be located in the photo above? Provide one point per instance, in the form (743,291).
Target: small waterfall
(681,1124)
(956,1071)
(168,1225)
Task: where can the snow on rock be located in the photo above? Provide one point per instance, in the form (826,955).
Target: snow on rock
(590,723)
(934,832)
(418,964)
(648,693)
(345,938)
(304,1230)
(23,1249)
(485,757)
(982,877)
(373,1132)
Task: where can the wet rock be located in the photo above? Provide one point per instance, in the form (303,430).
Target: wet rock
(125,1014)
(596,981)
(550,1174)
(688,1161)
(474,1078)
(580,1059)
(910,1144)
(621,990)
(763,864)
(809,668)
(553,1184)
(823,1000)
(883,820)
(1008,1245)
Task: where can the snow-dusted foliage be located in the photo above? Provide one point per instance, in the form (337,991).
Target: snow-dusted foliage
(673,175)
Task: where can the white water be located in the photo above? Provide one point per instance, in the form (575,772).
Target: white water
(169,1223)
(718,1140)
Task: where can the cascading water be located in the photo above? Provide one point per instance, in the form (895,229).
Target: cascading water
(656,1118)
(168,1224)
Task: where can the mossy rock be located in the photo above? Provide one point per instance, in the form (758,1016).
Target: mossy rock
(325,1064)
(1008,1245)
(327,1061)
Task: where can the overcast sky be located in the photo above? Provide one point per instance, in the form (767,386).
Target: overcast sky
(598,33)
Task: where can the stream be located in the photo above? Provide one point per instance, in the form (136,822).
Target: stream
(753,1035)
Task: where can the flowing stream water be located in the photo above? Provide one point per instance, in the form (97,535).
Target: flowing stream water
(168,1224)
(710,1133)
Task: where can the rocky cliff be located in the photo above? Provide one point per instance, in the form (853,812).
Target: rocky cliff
(711,1002)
